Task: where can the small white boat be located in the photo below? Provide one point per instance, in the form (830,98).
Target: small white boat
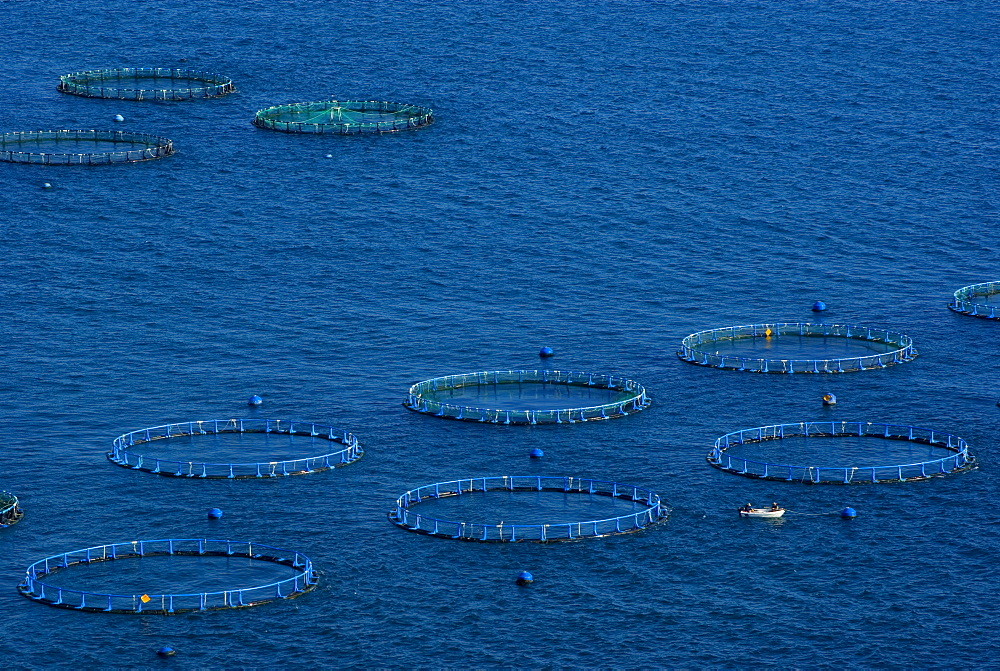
(762,512)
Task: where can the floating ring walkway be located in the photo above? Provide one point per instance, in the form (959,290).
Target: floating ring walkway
(652,512)
(123,453)
(10,510)
(41,147)
(964,302)
(35,588)
(960,460)
(701,348)
(344,117)
(422,395)
(124,84)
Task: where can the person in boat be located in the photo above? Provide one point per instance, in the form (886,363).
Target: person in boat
(774,507)
(747,508)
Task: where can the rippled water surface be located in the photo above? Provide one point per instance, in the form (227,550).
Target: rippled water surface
(603,178)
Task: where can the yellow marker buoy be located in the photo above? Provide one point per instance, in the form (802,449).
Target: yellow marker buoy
(767,333)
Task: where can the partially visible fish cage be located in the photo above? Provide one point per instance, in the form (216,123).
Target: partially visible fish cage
(965,301)
(10,510)
(82,147)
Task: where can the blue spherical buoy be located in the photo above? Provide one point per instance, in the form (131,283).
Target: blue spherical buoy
(819,306)
(254,401)
(848,513)
(166,651)
(523,578)
(119,117)
(215,514)
(546,352)
(829,399)
(46,186)
(537,453)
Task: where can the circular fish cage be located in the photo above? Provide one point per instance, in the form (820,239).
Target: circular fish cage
(41,579)
(645,509)
(124,449)
(82,147)
(10,510)
(146,84)
(785,348)
(944,453)
(344,117)
(966,303)
(527,397)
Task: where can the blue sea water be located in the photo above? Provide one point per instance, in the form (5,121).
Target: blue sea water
(603,178)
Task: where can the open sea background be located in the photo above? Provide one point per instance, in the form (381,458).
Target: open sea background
(602,178)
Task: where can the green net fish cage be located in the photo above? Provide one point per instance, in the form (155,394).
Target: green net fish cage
(146,84)
(344,117)
(82,147)
(527,397)
(10,510)
(797,348)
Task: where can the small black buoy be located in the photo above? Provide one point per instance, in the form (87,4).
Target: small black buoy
(546,352)
(848,513)
(254,401)
(215,514)
(537,453)
(524,578)
(819,306)
(166,651)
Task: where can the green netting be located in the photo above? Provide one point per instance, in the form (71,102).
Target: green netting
(345,117)
(146,84)
(82,147)
(10,510)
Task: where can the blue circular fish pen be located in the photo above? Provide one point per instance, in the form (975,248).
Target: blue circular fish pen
(965,300)
(82,147)
(455,397)
(650,510)
(706,348)
(35,587)
(957,459)
(146,84)
(344,117)
(10,510)
(123,449)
